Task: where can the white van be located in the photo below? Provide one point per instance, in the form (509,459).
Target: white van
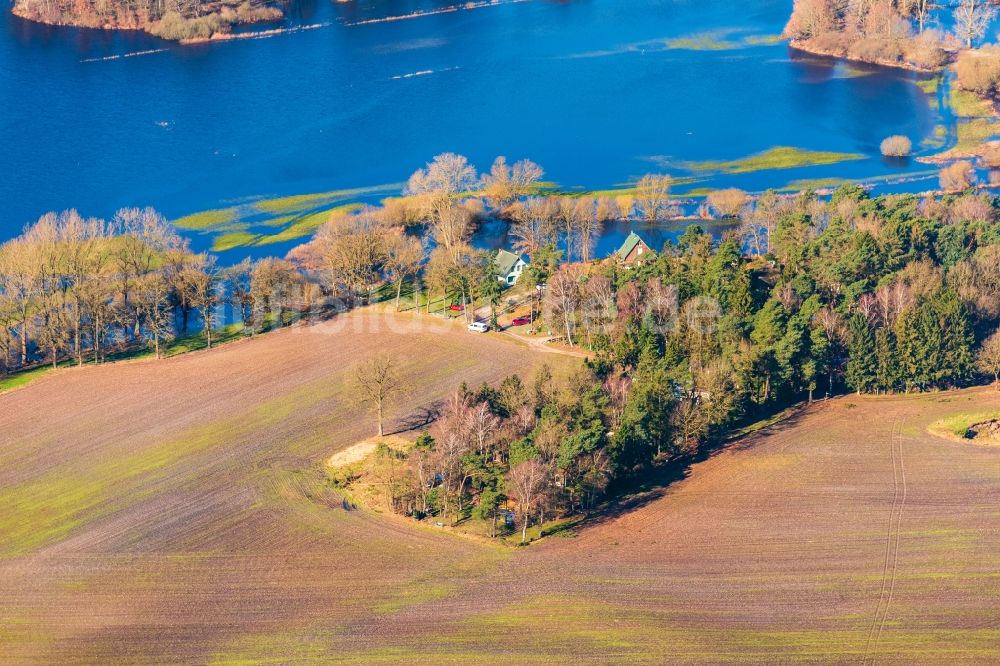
(479,327)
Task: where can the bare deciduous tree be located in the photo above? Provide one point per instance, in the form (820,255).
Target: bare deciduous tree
(153,306)
(21,288)
(534,225)
(453,441)
(378,381)
(727,203)
(652,195)
(988,358)
(143,235)
(562,299)
(484,426)
(918,9)
(205,296)
(353,249)
(275,286)
(447,175)
(977,281)
(403,257)
(588,227)
(452,226)
(957,177)
(972,18)
(504,184)
(527,481)
(811,18)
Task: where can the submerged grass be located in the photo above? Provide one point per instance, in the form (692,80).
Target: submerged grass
(929,86)
(968,105)
(804,184)
(779,157)
(277,220)
(623,189)
(763,40)
(300,203)
(305,225)
(937,139)
(976,122)
(233,240)
(720,40)
(207,219)
(705,41)
(972,133)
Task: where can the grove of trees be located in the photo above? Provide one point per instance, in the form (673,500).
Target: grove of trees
(887,31)
(811,297)
(170,19)
(805,296)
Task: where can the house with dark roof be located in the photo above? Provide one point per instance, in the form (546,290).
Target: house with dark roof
(634,250)
(509,267)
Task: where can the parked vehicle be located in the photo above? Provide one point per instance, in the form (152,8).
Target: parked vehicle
(457,307)
(479,327)
(521,321)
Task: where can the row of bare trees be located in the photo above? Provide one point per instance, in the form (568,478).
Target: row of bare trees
(78,288)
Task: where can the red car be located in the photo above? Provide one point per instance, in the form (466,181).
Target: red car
(456,308)
(521,321)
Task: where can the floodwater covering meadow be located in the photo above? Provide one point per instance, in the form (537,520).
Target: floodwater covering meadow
(597,92)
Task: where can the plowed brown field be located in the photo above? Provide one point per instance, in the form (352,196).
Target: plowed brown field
(175,512)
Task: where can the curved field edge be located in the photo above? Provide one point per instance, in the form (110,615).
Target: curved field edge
(208,532)
(770,551)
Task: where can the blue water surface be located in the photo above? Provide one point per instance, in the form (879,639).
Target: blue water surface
(596,91)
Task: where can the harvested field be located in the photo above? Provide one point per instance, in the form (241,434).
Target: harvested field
(174,512)
(845,535)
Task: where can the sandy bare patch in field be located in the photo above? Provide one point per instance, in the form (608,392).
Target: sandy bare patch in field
(178,512)
(352,454)
(358,452)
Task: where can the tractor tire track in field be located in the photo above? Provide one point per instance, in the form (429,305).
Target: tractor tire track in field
(891,561)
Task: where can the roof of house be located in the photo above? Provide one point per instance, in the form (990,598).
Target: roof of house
(506,261)
(629,245)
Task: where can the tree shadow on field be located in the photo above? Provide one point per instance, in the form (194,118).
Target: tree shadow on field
(652,485)
(636,492)
(744,440)
(418,420)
